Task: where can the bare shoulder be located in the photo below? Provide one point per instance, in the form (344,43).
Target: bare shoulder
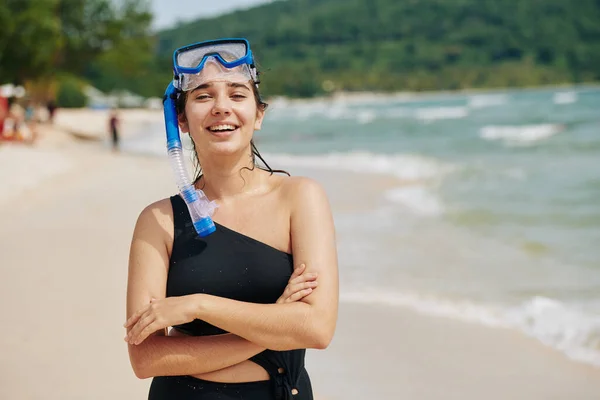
(156,217)
(300,192)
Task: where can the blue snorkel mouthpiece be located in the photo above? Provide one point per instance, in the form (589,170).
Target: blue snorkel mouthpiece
(201,209)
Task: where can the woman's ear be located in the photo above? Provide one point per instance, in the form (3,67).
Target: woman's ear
(183,123)
(260,115)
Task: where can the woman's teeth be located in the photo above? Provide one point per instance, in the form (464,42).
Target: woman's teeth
(220,128)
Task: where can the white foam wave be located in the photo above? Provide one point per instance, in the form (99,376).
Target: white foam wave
(567,328)
(429,114)
(482,101)
(419,199)
(406,167)
(524,134)
(429,305)
(366,114)
(364,117)
(564,97)
(337,112)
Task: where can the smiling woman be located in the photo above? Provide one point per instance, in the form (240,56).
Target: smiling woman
(245,301)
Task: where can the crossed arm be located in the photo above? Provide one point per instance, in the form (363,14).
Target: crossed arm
(309,323)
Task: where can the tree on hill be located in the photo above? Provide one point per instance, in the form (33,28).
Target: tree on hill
(410,44)
(45,42)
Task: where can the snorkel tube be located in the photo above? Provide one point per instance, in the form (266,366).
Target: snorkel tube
(200,208)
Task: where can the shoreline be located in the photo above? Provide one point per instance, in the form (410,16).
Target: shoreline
(407,95)
(389,353)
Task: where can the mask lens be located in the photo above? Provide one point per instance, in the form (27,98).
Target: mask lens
(192,57)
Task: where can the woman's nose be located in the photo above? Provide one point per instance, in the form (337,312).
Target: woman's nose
(221,106)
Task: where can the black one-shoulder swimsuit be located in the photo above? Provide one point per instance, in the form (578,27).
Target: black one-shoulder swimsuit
(229,264)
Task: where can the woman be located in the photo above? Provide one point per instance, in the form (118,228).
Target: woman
(235,335)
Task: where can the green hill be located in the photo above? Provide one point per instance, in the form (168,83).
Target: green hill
(391,45)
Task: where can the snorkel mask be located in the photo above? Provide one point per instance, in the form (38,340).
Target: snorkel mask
(194,65)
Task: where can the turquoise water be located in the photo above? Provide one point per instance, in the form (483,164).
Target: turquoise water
(483,207)
(526,164)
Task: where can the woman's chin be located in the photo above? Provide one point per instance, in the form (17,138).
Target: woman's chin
(223,135)
(227,148)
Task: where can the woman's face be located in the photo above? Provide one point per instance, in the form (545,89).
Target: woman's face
(221,116)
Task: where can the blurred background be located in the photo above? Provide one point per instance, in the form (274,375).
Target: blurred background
(60,48)
(459,140)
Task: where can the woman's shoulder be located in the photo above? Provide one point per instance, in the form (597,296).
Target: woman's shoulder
(296,182)
(157,214)
(159,206)
(301,191)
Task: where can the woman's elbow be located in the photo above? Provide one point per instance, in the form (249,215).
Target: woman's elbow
(308,339)
(139,364)
(321,337)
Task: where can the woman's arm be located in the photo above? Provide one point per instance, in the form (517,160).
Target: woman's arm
(148,268)
(309,323)
(167,355)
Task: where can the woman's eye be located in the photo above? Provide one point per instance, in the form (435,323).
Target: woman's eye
(238,96)
(202,97)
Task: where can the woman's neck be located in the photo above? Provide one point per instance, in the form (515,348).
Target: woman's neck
(228,178)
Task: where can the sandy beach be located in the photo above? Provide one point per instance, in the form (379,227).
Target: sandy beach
(68,207)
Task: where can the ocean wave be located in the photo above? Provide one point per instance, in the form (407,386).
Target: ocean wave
(419,199)
(523,134)
(569,328)
(404,166)
(564,97)
(430,114)
(366,114)
(483,101)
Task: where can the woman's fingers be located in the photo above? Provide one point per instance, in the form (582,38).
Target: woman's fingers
(302,286)
(299,295)
(311,276)
(297,285)
(298,291)
(142,323)
(298,271)
(152,327)
(133,319)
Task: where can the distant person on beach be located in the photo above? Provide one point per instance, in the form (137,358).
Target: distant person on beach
(14,126)
(3,114)
(230,315)
(30,119)
(113,126)
(51,106)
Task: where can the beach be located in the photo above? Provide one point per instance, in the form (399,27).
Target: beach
(68,206)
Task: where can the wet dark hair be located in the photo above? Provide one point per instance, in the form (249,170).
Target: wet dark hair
(261,105)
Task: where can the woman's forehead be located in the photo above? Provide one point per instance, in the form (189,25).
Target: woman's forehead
(215,72)
(223,84)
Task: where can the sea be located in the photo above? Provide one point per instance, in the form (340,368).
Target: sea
(479,206)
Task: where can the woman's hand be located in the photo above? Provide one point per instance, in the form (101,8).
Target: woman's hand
(299,286)
(160,314)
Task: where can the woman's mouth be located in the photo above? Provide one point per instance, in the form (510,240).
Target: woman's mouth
(222,130)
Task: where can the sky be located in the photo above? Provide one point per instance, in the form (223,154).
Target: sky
(169,12)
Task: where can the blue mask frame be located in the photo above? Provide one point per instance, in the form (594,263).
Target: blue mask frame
(246,59)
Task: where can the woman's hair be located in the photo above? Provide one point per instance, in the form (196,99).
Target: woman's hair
(261,105)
